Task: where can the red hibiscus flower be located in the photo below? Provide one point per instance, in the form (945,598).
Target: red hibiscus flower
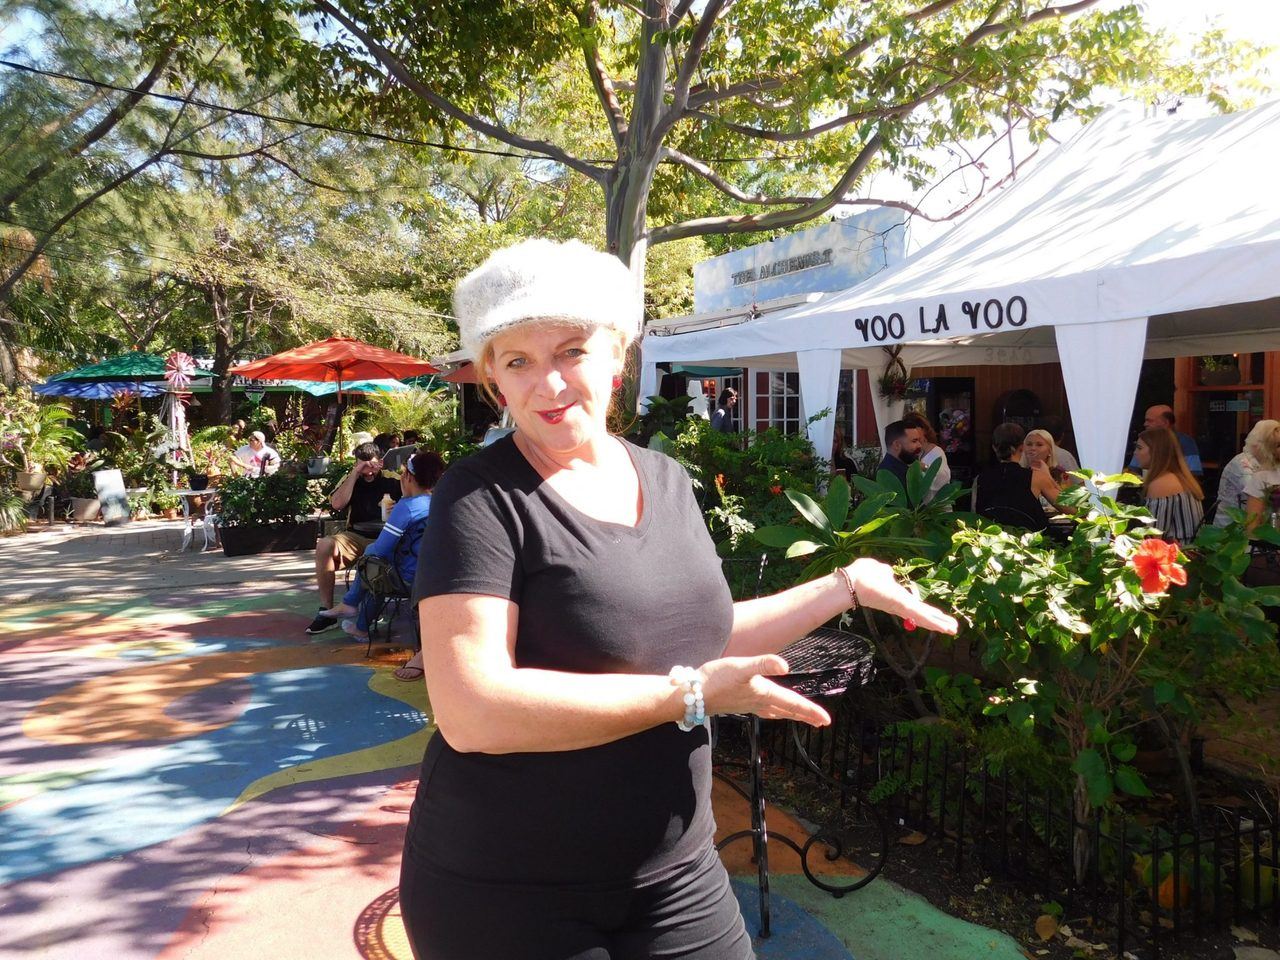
(1156,562)
(775,489)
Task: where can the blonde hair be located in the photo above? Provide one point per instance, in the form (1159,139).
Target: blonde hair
(1166,457)
(1261,443)
(1051,460)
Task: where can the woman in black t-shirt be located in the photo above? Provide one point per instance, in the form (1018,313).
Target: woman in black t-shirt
(576,631)
(1009,493)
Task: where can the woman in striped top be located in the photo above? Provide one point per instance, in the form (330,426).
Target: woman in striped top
(1172,494)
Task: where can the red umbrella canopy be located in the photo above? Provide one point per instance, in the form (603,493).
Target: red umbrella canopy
(335,360)
(464,374)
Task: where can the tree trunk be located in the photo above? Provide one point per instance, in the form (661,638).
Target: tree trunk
(222,354)
(1081,842)
(626,190)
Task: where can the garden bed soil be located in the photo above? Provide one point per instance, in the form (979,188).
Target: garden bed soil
(927,869)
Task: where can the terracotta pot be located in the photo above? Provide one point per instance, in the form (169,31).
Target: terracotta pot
(31,481)
(170,513)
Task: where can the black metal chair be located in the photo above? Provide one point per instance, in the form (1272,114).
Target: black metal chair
(394,598)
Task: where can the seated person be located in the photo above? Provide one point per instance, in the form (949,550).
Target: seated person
(1161,415)
(839,462)
(902,444)
(930,450)
(1056,427)
(396,456)
(1008,492)
(398,541)
(387,442)
(360,493)
(255,458)
(1261,453)
(1171,493)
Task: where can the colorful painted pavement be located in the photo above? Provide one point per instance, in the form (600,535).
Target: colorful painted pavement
(194,778)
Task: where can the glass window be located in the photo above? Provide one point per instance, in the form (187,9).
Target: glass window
(781,400)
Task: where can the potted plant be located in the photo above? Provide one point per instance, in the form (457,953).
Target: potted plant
(1219,370)
(167,504)
(34,437)
(271,514)
(209,462)
(78,486)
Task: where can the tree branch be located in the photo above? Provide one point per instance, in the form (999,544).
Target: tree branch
(680,9)
(693,56)
(750,223)
(587,19)
(1046,13)
(723,185)
(93,134)
(398,70)
(883,113)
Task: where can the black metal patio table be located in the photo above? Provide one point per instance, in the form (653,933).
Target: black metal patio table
(823,664)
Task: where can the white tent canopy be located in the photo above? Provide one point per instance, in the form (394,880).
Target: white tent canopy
(1155,238)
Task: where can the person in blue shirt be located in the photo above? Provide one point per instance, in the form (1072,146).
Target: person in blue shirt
(399,540)
(1161,415)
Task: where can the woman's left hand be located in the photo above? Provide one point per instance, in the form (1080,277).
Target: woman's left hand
(878,588)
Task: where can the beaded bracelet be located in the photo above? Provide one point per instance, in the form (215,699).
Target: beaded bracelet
(695,708)
(853,591)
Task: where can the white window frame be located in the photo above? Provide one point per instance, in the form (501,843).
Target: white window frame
(784,387)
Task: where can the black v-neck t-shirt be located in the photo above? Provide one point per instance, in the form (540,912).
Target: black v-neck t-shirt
(593,597)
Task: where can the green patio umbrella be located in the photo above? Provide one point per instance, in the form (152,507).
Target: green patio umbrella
(134,365)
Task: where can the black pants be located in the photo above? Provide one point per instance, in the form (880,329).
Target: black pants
(692,915)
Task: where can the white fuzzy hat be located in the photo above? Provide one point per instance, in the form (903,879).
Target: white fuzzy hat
(546,280)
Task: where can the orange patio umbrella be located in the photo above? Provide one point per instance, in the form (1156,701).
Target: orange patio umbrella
(335,360)
(464,374)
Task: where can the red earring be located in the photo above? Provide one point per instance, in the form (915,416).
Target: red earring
(617,381)
(502,401)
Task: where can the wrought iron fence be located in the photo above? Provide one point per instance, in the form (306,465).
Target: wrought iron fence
(1140,884)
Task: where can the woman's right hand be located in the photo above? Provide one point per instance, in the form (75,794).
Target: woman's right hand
(742,685)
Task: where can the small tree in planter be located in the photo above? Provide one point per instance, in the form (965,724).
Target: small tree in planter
(34,437)
(1094,636)
(267,514)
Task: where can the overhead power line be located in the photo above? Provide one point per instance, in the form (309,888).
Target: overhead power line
(334,128)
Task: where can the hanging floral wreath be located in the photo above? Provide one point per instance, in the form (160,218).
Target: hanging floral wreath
(893,382)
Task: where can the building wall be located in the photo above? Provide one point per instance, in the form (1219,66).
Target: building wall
(991,382)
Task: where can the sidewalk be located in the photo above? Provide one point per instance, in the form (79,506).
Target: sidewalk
(184,774)
(142,557)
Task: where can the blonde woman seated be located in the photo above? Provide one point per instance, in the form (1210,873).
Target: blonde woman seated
(1009,492)
(1172,494)
(1261,454)
(1038,447)
(1039,450)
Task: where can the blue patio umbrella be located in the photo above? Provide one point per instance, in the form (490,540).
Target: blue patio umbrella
(103,390)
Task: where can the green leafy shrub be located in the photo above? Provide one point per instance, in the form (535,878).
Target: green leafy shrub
(13,514)
(278,498)
(33,434)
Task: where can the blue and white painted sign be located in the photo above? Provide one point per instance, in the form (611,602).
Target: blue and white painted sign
(830,256)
